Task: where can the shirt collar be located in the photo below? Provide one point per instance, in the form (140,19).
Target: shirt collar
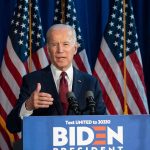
(56,72)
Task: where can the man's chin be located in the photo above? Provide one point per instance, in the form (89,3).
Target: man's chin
(61,67)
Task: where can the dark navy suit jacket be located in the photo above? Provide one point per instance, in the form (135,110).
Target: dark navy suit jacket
(82,82)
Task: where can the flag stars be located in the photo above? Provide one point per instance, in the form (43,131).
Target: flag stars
(115,43)
(113,15)
(69,7)
(38,35)
(40,27)
(67,22)
(20,42)
(136,44)
(20,6)
(68,15)
(61,20)
(36,8)
(12,21)
(74,10)
(122,38)
(131,24)
(127,49)
(25,9)
(79,37)
(118,26)
(132,16)
(37,44)
(120,18)
(57,2)
(33,24)
(17,23)
(74,26)
(24,17)
(23,25)
(33,32)
(74,18)
(121,10)
(129,33)
(121,46)
(126,5)
(110,32)
(79,45)
(55,18)
(115,7)
(18,15)
(79,29)
(15,31)
(35,16)
(117,35)
(120,54)
(21,33)
(56,10)
(26,1)
(26,45)
(111,24)
(128,41)
(136,35)
(26,53)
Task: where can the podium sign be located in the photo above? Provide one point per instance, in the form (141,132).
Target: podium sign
(87,132)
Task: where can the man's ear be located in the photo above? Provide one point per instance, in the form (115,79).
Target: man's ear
(76,48)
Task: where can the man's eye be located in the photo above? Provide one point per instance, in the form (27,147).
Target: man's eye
(53,44)
(66,44)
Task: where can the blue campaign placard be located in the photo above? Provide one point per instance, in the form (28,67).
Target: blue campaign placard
(111,132)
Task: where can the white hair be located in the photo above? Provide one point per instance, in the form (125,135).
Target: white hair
(58,26)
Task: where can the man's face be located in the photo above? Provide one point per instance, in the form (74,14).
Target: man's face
(61,48)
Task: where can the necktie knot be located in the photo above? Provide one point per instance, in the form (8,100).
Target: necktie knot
(63,74)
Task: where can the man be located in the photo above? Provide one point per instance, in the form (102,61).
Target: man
(39,94)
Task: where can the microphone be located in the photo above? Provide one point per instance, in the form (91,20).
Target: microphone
(73,104)
(89,96)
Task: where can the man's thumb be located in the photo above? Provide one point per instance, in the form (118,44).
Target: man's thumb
(38,87)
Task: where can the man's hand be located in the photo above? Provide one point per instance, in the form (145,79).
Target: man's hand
(38,99)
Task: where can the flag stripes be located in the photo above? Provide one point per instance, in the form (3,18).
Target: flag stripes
(112,83)
(15,63)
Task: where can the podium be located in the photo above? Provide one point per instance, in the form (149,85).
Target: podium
(110,132)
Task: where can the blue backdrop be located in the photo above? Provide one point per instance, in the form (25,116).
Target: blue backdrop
(92,15)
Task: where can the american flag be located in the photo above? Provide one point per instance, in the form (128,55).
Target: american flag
(16,59)
(109,66)
(70,17)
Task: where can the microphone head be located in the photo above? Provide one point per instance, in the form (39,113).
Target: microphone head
(89,94)
(73,103)
(70,95)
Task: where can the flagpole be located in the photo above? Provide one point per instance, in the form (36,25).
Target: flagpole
(124,51)
(30,36)
(63,11)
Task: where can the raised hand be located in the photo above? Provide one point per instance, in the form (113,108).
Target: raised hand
(39,99)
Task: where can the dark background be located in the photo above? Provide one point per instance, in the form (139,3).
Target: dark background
(92,15)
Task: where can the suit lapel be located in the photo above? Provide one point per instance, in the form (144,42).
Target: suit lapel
(77,82)
(51,88)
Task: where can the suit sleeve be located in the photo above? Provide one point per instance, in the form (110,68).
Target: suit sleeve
(100,105)
(13,121)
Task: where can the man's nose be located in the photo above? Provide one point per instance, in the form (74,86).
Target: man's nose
(60,48)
